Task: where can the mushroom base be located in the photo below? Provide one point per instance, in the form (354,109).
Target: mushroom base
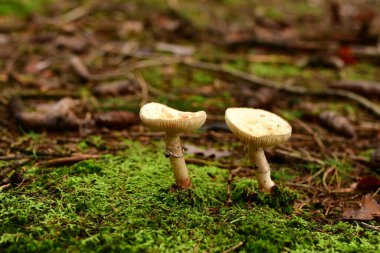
(180,172)
(177,161)
(257,157)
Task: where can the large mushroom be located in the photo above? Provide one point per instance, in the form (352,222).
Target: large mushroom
(173,122)
(259,129)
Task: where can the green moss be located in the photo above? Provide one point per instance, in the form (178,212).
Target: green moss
(366,154)
(281,199)
(21,7)
(274,71)
(361,71)
(153,76)
(82,145)
(124,203)
(347,109)
(202,77)
(291,114)
(274,13)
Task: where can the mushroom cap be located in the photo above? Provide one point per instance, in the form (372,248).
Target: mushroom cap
(258,127)
(163,118)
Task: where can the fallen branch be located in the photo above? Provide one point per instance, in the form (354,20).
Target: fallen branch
(247,77)
(234,247)
(144,89)
(312,133)
(67,160)
(376,228)
(277,85)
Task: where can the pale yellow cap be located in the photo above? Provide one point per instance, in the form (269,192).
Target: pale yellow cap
(258,127)
(163,118)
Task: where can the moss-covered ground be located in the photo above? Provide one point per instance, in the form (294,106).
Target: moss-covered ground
(124,203)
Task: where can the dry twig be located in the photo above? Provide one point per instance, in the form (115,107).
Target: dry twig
(234,247)
(312,133)
(277,85)
(144,89)
(67,160)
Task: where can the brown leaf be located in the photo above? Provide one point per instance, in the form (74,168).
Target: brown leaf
(345,53)
(116,119)
(367,88)
(116,88)
(369,210)
(35,66)
(338,123)
(79,67)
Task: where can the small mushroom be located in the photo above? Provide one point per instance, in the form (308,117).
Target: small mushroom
(173,122)
(259,129)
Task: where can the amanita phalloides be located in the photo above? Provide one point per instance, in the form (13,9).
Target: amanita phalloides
(173,122)
(259,129)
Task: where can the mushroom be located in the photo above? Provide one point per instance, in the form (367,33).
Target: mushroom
(173,122)
(258,128)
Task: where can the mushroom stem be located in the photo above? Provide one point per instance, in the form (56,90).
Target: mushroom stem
(257,157)
(177,161)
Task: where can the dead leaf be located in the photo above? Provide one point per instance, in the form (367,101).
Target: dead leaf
(207,153)
(346,54)
(35,66)
(79,67)
(369,210)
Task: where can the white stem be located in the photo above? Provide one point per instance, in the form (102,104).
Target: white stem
(177,161)
(257,157)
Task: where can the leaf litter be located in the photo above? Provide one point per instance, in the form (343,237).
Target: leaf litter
(93,71)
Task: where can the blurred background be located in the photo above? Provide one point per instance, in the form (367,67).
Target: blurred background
(73,75)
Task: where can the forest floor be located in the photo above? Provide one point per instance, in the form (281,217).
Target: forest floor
(79,172)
